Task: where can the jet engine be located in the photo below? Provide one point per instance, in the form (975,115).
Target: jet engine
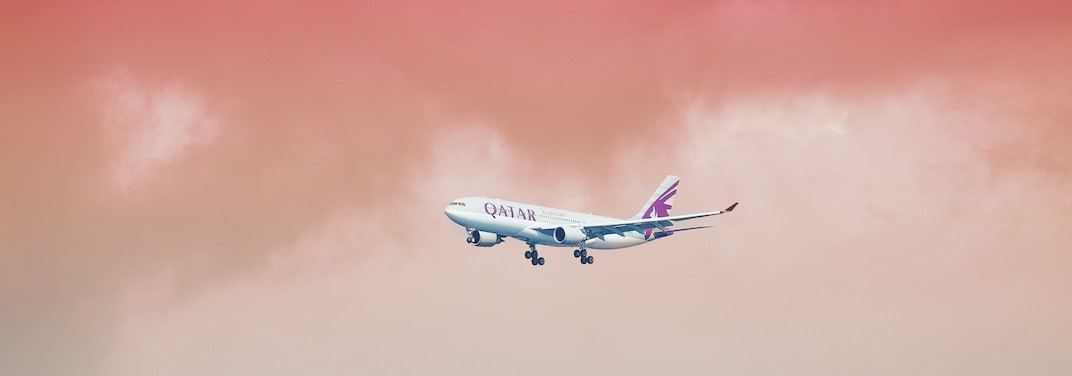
(569,236)
(483,239)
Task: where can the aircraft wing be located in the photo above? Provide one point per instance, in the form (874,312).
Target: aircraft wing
(598,230)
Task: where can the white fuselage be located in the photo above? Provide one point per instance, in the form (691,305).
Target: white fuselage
(519,220)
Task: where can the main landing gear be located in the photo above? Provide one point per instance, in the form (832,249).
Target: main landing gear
(533,255)
(583,255)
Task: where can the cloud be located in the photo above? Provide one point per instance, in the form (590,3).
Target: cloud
(342,263)
(857,247)
(153,126)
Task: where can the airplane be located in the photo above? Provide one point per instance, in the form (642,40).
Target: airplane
(489,221)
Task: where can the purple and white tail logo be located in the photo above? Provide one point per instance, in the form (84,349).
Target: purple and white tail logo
(660,207)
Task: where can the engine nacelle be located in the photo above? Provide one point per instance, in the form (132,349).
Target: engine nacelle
(483,239)
(569,236)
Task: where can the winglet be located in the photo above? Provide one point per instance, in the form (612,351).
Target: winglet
(729,209)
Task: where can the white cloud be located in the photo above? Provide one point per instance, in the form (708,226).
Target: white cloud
(465,157)
(151,126)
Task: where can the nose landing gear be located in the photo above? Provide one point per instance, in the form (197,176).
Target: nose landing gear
(533,255)
(583,255)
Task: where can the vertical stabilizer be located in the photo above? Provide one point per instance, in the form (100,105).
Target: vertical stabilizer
(661,200)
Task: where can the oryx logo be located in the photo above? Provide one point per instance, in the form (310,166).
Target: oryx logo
(660,207)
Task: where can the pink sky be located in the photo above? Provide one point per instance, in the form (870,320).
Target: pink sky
(258,188)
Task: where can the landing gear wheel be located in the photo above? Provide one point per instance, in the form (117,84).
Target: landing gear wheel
(576,253)
(584,260)
(531,254)
(590,260)
(583,253)
(540,260)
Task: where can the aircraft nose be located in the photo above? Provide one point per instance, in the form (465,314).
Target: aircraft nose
(450,212)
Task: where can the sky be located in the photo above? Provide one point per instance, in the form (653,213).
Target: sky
(257,187)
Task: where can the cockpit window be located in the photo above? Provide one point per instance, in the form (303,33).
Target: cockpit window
(458,203)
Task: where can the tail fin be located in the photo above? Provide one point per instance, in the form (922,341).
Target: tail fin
(660,202)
